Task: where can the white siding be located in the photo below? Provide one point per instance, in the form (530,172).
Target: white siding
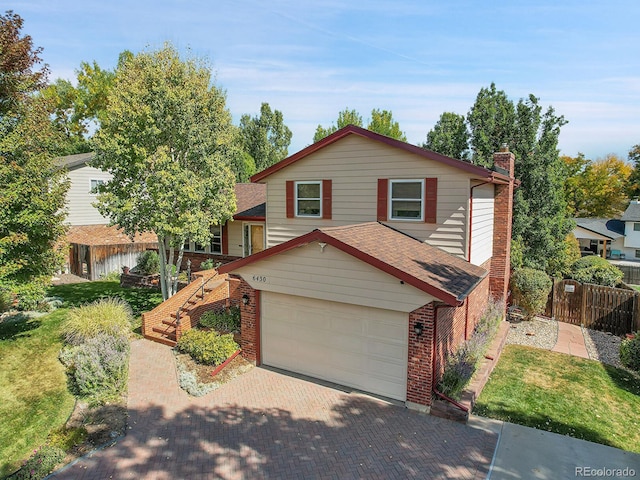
(631,238)
(331,275)
(482,224)
(354,165)
(79,198)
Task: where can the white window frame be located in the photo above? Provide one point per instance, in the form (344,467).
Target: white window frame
(319,199)
(636,227)
(213,236)
(94,190)
(391,199)
(246,228)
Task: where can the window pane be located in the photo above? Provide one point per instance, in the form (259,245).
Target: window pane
(309,207)
(636,227)
(308,190)
(406,190)
(405,209)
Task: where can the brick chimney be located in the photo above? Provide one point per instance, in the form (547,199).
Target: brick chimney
(500,270)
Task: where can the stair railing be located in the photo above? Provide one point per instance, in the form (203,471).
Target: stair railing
(200,291)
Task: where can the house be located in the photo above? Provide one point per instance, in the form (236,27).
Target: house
(617,239)
(381,256)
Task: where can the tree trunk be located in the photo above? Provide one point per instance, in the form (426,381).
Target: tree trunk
(162,251)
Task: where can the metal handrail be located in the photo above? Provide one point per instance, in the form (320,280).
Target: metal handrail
(199,290)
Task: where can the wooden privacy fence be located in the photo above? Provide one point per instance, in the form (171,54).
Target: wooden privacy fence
(631,273)
(607,309)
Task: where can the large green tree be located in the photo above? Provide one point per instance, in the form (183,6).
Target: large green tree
(381,122)
(596,188)
(266,138)
(32,197)
(449,136)
(633,189)
(167,139)
(540,220)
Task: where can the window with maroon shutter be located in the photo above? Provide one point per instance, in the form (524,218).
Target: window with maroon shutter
(326,199)
(406,200)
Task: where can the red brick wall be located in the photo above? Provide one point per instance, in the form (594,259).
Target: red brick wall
(477,301)
(503,217)
(420,360)
(250,329)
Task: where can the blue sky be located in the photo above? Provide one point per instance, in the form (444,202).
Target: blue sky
(311,59)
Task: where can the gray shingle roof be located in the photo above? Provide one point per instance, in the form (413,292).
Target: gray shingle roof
(608,227)
(632,213)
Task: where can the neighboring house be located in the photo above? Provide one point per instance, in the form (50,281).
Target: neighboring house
(381,258)
(611,238)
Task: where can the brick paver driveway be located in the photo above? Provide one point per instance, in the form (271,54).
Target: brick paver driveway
(268,425)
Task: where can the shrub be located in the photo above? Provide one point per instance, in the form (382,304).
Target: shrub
(111,316)
(209,348)
(594,269)
(110,277)
(227,321)
(31,296)
(148,262)
(189,383)
(98,368)
(458,370)
(208,264)
(6,299)
(630,352)
(41,463)
(563,259)
(530,288)
(67,438)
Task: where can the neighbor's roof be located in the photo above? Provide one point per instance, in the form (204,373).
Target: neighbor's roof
(430,269)
(479,172)
(71,162)
(632,213)
(608,227)
(250,201)
(105,235)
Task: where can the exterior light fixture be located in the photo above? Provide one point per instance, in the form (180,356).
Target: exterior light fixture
(245,299)
(418,328)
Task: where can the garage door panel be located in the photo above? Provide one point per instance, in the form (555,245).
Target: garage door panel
(361,347)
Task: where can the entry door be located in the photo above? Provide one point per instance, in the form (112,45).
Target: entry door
(253,238)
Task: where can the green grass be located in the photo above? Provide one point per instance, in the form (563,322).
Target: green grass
(635,287)
(566,395)
(34,398)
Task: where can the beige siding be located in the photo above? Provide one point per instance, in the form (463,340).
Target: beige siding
(79,198)
(482,224)
(354,165)
(234,232)
(332,275)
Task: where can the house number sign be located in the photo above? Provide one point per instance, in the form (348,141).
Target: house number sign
(570,288)
(259,278)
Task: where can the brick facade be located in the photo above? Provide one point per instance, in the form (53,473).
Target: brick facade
(503,216)
(420,358)
(250,324)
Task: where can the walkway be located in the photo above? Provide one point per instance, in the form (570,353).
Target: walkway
(570,340)
(265,424)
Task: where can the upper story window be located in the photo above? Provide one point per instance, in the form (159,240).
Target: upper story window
(308,200)
(406,199)
(94,186)
(636,227)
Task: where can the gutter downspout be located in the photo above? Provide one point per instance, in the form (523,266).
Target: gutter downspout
(433,363)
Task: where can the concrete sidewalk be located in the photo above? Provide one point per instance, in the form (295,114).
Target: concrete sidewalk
(524,453)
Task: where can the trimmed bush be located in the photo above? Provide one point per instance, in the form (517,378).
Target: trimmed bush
(31,296)
(6,299)
(530,288)
(110,316)
(208,348)
(227,321)
(630,352)
(597,270)
(41,463)
(98,368)
(148,262)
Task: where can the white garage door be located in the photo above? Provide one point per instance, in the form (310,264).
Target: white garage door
(361,347)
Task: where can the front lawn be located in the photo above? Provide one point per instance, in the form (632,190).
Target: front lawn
(34,398)
(566,395)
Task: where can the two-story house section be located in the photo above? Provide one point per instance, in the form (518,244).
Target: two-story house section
(380,258)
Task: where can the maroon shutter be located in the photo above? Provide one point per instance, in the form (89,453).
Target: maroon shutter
(383,191)
(290,199)
(431,200)
(326,199)
(225,239)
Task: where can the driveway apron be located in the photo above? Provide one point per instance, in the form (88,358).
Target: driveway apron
(265,424)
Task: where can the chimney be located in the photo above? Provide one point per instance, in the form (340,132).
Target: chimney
(500,270)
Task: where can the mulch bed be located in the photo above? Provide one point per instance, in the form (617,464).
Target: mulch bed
(203,373)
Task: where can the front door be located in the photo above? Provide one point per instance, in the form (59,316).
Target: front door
(253,238)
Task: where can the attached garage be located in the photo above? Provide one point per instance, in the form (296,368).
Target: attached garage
(352,305)
(360,347)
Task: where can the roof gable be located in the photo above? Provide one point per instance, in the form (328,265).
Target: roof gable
(632,213)
(475,170)
(440,274)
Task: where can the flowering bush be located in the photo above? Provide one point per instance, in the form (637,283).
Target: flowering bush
(40,464)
